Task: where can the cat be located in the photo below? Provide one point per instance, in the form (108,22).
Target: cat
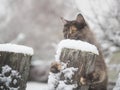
(79,30)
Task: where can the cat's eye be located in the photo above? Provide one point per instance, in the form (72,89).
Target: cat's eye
(73,29)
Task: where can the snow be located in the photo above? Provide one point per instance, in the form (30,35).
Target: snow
(117,86)
(14,81)
(54,82)
(38,62)
(75,44)
(6,69)
(63,65)
(36,86)
(63,86)
(16,48)
(43,86)
(7,79)
(69,72)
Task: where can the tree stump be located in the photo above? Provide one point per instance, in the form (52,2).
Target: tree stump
(75,62)
(84,61)
(14,66)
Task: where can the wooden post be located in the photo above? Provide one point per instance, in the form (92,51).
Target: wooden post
(14,67)
(84,61)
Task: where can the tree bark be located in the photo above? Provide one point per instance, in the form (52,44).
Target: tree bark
(84,61)
(19,63)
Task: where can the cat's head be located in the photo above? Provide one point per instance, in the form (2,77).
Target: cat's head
(72,29)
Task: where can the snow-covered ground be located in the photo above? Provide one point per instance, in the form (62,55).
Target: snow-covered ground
(36,86)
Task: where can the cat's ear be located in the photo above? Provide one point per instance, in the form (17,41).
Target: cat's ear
(63,20)
(80,18)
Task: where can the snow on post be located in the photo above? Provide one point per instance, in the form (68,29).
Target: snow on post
(77,45)
(14,66)
(16,48)
(75,59)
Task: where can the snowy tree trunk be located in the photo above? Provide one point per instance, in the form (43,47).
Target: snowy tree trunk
(84,61)
(14,69)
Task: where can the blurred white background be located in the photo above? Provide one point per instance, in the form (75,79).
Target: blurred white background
(37,23)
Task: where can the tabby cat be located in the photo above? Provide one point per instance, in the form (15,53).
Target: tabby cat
(79,30)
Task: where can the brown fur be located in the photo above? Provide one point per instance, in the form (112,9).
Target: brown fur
(79,30)
(55,67)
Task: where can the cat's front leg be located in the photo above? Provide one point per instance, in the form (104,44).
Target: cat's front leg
(98,80)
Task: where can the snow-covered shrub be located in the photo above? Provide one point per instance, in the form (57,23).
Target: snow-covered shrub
(9,79)
(55,83)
